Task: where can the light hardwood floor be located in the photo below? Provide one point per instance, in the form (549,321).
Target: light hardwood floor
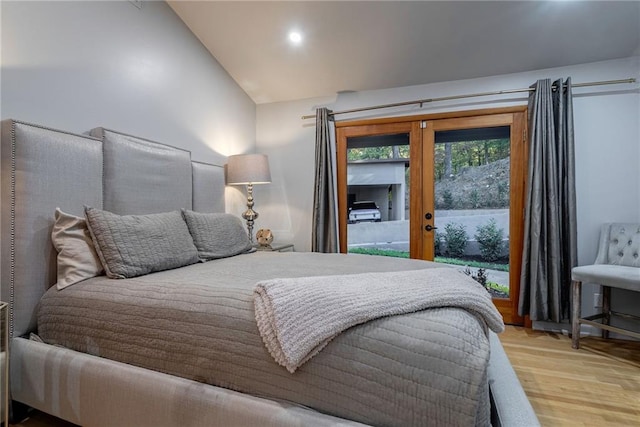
(598,385)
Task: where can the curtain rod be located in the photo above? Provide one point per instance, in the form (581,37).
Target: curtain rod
(472,95)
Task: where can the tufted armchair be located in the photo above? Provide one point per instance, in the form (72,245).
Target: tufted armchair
(617,265)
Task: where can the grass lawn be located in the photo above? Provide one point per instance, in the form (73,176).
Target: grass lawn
(498,287)
(453,261)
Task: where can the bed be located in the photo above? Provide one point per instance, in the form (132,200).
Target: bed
(123,369)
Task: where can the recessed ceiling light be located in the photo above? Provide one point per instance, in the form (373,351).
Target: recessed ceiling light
(295,37)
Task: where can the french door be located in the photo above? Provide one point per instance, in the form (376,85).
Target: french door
(448,187)
(473,178)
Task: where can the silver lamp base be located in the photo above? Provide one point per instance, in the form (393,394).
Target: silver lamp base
(250,215)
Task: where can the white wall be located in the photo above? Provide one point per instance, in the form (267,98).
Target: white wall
(77,65)
(285,204)
(607,124)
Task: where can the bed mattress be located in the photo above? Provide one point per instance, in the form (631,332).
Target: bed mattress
(197,322)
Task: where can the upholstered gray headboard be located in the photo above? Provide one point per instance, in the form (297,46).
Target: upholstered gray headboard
(44,168)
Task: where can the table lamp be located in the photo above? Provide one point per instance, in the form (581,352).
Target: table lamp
(248,169)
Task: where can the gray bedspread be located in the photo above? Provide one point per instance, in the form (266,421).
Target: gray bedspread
(197,322)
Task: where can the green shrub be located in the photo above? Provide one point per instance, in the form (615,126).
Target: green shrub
(447,200)
(455,235)
(437,246)
(474,199)
(503,194)
(489,237)
(480,277)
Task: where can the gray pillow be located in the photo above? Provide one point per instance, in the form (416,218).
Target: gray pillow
(217,235)
(133,245)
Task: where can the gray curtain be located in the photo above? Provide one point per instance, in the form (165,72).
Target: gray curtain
(550,212)
(324,237)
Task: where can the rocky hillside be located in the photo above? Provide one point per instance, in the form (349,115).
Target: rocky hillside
(476,187)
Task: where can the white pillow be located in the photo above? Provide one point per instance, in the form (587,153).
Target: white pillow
(77,258)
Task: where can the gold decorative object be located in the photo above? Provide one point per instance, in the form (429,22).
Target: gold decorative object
(264,236)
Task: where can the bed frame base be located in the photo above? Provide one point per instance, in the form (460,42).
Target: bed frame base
(89,390)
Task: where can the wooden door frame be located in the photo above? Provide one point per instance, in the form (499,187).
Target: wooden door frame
(432,116)
(518,186)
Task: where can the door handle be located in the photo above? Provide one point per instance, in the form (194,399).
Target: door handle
(429,227)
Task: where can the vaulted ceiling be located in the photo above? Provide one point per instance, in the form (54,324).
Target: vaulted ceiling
(354,46)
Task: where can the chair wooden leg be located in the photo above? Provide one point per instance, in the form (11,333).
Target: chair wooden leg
(576,295)
(606,309)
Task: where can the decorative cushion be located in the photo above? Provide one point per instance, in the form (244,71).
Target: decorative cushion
(617,276)
(624,244)
(133,245)
(217,235)
(77,257)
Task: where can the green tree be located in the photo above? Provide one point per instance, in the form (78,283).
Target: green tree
(466,154)
(378,153)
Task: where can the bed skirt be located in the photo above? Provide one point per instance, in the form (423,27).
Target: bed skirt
(89,390)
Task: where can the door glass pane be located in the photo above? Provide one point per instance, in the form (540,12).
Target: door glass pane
(472,170)
(378,195)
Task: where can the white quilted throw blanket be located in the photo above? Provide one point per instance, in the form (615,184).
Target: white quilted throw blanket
(298,317)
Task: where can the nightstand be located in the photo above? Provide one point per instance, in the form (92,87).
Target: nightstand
(277,247)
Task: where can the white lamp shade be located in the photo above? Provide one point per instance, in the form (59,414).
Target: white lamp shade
(245,169)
